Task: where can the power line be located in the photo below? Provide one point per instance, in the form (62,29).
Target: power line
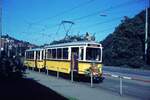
(95,13)
(61,13)
(107,9)
(106,21)
(66,11)
(92,14)
(103,30)
(103,22)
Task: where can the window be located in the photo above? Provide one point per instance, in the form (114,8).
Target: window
(59,53)
(54,53)
(49,53)
(30,55)
(75,50)
(42,54)
(27,55)
(81,54)
(93,54)
(65,53)
(37,54)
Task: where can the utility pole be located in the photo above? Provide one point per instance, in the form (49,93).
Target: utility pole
(0,26)
(146,33)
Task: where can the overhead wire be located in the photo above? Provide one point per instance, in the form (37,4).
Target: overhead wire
(98,12)
(58,14)
(107,9)
(103,22)
(106,21)
(66,11)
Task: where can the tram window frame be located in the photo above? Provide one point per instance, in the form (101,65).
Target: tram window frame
(49,53)
(54,55)
(65,53)
(59,53)
(99,54)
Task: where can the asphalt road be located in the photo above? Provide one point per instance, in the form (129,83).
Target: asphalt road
(108,90)
(127,71)
(135,73)
(134,88)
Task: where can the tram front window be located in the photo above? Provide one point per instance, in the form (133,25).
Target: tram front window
(93,54)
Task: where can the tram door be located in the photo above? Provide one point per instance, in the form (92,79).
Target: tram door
(37,58)
(36,54)
(74,58)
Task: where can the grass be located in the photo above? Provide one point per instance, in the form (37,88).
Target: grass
(72,98)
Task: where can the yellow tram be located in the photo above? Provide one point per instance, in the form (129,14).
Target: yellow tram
(79,56)
(34,58)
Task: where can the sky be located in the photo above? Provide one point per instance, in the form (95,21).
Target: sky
(39,21)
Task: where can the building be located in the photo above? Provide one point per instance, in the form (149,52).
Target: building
(14,47)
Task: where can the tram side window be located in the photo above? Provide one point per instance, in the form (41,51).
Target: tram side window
(59,52)
(65,53)
(54,53)
(26,55)
(81,55)
(42,54)
(30,55)
(49,53)
(37,54)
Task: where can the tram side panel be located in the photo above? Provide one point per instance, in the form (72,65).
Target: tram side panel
(40,64)
(58,65)
(29,59)
(85,66)
(29,63)
(58,61)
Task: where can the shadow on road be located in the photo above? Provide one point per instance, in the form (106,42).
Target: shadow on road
(26,89)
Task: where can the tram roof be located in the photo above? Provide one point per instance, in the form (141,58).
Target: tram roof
(81,43)
(35,49)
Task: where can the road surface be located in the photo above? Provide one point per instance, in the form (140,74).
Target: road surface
(127,72)
(130,87)
(108,90)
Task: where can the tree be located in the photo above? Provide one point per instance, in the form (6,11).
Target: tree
(125,46)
